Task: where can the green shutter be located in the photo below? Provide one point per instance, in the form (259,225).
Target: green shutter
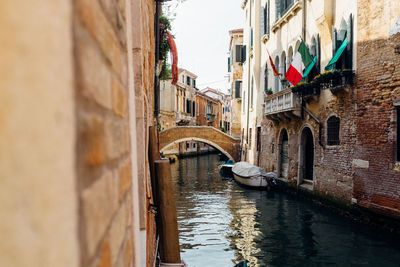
(229,64)
(243,53)
(278,9)
(237,89)
(262,26)
(237,51)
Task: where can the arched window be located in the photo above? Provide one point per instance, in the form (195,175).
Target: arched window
(333,131)
(314,52)
(266,18)
(345,32)
(277,80)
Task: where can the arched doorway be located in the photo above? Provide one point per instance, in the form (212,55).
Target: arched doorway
(283,154)
(306,168)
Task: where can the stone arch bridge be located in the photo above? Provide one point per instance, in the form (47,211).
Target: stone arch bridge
(226,144)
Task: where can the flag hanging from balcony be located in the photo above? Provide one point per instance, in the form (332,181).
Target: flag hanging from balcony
(174,51)
(276,73)
(337,55)
(301,60)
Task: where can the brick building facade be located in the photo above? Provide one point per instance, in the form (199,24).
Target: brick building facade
(341,140)
(377,176)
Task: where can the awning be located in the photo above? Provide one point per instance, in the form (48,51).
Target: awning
(337,55)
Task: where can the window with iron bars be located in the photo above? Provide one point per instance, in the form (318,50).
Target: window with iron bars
(333,131)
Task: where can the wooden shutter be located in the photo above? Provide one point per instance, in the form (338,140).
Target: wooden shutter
(318,53)
(229,64)
(349,49)
(262,26)
(243,53)
(238,53)
(278,8)
(251,37)
(237,89)
(194,109)
(334,43)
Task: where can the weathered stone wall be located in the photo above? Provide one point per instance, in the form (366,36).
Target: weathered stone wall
(377,176)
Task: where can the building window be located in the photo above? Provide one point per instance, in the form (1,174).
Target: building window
(187,145)
(197,108)
(251,38)
(266,78)
(188,80)
(194,145)
(194,83)
(333,131)
(266,18)
(238,53)
(249,137)
(277,78)
(282,6)
(252,92)
(244,102)
(205,110)
(238,89)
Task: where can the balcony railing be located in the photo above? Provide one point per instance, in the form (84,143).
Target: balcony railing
(183,116)
(282,102)
(210,117)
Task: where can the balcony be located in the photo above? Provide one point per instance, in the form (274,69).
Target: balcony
(283,105)
(336,81)
(183,118)
(210,117)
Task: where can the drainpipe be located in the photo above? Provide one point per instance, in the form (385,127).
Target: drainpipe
(315,118)
(157,57)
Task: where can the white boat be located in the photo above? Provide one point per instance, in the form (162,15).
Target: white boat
(253,176)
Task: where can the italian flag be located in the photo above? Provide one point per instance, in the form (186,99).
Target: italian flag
(302,59)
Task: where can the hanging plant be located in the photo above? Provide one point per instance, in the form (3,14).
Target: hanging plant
(165,24)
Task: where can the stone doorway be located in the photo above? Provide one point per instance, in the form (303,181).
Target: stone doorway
(283,154)
(306,166)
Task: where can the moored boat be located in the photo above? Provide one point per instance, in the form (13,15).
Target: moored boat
(226,169)
(253,176)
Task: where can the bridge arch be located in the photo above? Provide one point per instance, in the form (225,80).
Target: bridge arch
(208,142)
(226,144)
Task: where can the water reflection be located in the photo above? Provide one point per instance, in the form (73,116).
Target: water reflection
(221,223)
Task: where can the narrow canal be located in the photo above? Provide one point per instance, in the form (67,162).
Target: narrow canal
(222,223)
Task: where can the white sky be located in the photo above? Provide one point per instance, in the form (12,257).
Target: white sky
(201,30)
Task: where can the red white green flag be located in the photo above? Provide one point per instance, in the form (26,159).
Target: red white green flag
(301,60)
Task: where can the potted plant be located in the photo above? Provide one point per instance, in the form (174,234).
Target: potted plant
(269,91)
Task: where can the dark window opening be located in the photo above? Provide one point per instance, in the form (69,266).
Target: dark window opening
(188,80)
(333,131)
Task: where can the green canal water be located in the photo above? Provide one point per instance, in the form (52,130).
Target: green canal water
(221,223)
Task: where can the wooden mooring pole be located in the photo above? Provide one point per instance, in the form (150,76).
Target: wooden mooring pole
(168,226)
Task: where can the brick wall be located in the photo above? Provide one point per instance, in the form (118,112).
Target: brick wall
(104,139)
(377,184)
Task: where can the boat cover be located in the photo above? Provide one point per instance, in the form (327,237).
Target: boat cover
(245,169)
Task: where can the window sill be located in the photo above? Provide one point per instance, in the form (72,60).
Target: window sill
(285,18)
(265,38)
(396,166)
